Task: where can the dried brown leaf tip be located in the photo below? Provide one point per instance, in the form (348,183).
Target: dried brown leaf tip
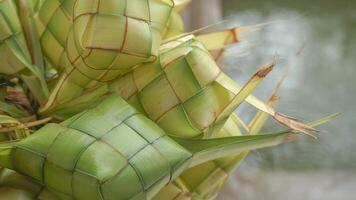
(265,70)
(234,32)
(295,124)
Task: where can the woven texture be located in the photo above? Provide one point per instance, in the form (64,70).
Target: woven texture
(94,41)
(205,180)
(12,40)
(108,152)
(184,91)
(175,25)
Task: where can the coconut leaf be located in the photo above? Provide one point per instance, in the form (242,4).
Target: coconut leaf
(209,149)
(260,119)
(240,123)
(221,39)
(246,90)
(254,127)
(218,40)
(322,120)
(43,89)
(279,117)
(12,110)
(33,81)
(25,11)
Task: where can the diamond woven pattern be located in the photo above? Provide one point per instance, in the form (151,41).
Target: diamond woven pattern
(85,158)
(184,91)
(205,180)
(95,41)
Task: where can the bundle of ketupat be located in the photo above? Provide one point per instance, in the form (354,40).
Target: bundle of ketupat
(114,152)
(108,99)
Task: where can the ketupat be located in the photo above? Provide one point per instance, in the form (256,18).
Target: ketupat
(44,21)
(114,152)
(194,182)
(98,40)
(204,181)
(185,92)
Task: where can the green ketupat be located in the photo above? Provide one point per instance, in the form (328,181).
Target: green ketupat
(82,159)
(114,152)
(186,93)
(97,41)
(167,88)
(204,181)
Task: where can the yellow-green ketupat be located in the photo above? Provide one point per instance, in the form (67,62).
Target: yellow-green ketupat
(170,134)
(112,151)
(91,42)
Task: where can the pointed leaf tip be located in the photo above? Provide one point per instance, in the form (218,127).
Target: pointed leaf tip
(324,120)
(295,124)
(209,149)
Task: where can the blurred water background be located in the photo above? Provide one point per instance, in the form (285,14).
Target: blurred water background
(316,40)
